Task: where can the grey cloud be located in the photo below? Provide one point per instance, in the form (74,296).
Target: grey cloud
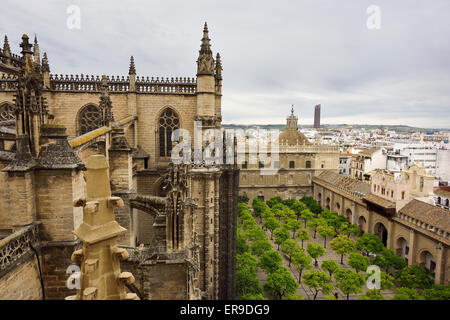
(274,53)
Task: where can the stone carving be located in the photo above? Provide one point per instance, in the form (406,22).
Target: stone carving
(7,112)
(175,183)
(100,277)
(17,244)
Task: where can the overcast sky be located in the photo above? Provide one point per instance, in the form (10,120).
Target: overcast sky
(274,53)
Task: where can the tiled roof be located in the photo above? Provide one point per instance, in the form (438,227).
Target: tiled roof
(380,201)
(368,152)
(344,182)
(425,212)
(442,192)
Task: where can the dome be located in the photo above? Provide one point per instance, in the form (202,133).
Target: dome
(292,137)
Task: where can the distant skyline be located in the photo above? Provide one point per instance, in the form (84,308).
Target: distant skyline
(274,54)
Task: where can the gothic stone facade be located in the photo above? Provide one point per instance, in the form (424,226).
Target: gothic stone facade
(188,230)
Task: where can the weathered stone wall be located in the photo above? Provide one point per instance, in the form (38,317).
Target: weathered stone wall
(5,211)
(23,281)
(160,281)
(54,197)
(55,261)
(21,201)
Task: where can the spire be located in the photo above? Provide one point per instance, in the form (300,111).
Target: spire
(37,58)
(132,69)
(6,46)
(292,110)
(218,67)
(45,65)
(205,61)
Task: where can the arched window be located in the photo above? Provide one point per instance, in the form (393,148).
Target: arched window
(308,164)
(7,112)
(168,122)
(447,203)
(439,200)
(89,118)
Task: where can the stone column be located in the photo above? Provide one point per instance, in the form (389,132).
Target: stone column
(412,247)
(440,264)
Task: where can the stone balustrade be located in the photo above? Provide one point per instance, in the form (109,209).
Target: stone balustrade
(17,244)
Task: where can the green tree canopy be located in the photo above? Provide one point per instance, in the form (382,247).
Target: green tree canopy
(415,277)
(315,250)
(349,281)
(301,262)
(349,229)
(329,266)
(372,294)
(271,224)
(388,259)
(246,262)
(358,262)
(249,296)
(325,231)
(281,235)
(306,215)
(318,281)
(243,198)
(407,294)
(369,243)
(289,202)
(298,208)
(293,225)
(342,245)
(274,201)
(303,235)
(289,247)
(280,283)
(437,292)
(270,261)
(247,283)
(258,247)
(241,244)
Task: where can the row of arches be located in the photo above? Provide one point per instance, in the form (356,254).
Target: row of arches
(425,256)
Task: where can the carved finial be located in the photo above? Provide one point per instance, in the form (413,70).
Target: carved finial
(6,49)
(205,61)
(218,67)
(25,45)
(292,110)
(132,69)
(45,65)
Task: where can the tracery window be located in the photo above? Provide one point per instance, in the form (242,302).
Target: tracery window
(168,122)
(90,118)
(7,112)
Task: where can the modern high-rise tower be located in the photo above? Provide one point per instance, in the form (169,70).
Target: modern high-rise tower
(317,117)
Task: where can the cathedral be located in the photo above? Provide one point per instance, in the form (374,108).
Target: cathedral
(176,228)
